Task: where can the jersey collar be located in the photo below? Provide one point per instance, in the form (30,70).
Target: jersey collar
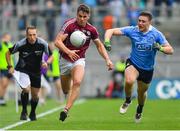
(150,28)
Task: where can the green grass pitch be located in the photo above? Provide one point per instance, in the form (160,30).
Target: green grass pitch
(99,114)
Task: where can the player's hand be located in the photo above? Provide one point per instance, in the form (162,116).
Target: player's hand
(73,55)
(11,70)
(107,45)
(109,64)
(157,46)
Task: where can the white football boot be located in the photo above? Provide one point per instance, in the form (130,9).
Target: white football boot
(124,107)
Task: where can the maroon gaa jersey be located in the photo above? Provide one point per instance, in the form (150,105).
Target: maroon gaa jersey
(69,27)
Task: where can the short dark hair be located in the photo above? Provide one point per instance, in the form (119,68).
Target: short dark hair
(83,8)
(146,13)
(30,27)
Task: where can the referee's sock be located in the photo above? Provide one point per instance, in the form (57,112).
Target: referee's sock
(24,100)
(34,103)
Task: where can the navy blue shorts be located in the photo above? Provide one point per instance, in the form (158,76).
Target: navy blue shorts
(144,75)
(5,73)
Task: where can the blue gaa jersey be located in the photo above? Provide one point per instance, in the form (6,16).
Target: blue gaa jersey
(142,51)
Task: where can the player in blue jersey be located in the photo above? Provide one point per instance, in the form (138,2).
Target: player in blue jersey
(146,41)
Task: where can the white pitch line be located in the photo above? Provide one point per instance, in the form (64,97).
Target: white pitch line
(40,115)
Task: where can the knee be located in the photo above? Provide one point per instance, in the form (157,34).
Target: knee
(25,90)
(142,94)
(129,81)
(76,83)
(141,90)
(35,96)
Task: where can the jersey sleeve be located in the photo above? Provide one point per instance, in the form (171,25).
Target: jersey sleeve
(95,34)
(161,38)
(65,28)
(45,44)
(126,30)
(16,46)
(46,47)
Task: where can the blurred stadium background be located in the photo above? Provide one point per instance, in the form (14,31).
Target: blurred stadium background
(15,15)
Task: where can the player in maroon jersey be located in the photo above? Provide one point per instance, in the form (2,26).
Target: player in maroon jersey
(72,60)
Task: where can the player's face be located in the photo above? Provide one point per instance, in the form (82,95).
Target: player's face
(82,18)
(31,36)
(143,23)
(7,38)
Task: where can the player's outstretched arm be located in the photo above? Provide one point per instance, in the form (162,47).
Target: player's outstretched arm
(102,51)
(108,34)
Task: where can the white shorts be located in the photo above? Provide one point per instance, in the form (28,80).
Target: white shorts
(22,79)
(66,66)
